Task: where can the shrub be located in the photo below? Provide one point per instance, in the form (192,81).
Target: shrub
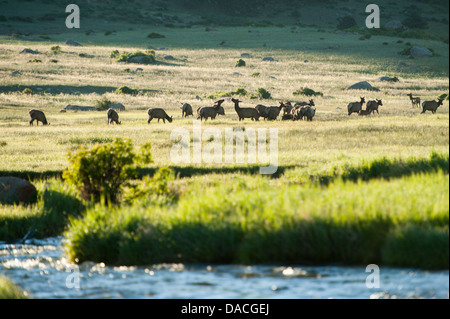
(114,54)
(346,23)
(415,21)
(53,61)
(264,94)
(35,61)
(101,172)
(27,91)
(240,63)
(307,92)
(55,49)
(148,56)
(126,90)
(155,35)
(103,104)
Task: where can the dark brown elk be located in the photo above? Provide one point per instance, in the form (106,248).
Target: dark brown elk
(113,117)
(414,100)
(431,105)
(372,106)
(245,113)
(186,110)
(159,114)
(38,116)
(355,107)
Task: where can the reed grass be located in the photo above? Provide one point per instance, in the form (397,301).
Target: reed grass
(251,221)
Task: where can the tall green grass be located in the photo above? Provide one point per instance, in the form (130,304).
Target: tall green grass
(9,290)
(403,222)
(47,217)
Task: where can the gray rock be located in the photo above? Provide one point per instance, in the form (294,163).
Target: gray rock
(169,58)
(15,190)
(79,108)
(394,25)
(73,43)
(387,79)
(268,59)
(245,55)
(29,51)
(16,73)
(141,60)
(364,85)
(139,69)
(418,52)
(117,107)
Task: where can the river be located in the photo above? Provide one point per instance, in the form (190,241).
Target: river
(39,267)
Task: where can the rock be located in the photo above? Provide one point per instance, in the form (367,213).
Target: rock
(169,58)
(418,52)
(364,85)
(395,25)
(141,60)
(29,51)
(245,55)
(388,79)
(16,73)
(306,61)
(117,106)
(268,59)
(73,43)
(334,47)
(79,108)
(139,69)
(15,190)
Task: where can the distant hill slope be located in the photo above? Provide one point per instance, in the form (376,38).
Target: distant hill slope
(427,19)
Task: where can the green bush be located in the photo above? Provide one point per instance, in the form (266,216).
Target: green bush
(101,172)
(126,90)
(103,104)
(155,35)
(307,92)
(148,57)
(27,91)
(55,49)
(263,94)
(346,23)
(114,54)
(240,63)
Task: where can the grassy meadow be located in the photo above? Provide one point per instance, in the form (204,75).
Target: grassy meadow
(349,189)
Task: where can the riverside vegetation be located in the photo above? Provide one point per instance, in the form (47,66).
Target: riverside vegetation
(348,189)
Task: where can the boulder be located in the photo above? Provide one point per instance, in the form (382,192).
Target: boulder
(117,107)
(79,108)
(26,50)
(245,55)
(14,190)
(144,59)
(169,58)
(364,85)
(16,73)
(73,43)
(268,59)
(388,79)
(418,52)
(395,25)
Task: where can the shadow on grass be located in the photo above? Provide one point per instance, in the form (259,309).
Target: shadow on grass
(64,89)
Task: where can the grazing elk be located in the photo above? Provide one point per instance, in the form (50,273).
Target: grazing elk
(355,107)
(218,105)
(186,110)
(431,105)
(38,116)
(244,113)
(372,106)
(414,100)
(113,117)
(159,114)
(211,112)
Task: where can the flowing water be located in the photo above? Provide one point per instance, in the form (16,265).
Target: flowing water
(39,267)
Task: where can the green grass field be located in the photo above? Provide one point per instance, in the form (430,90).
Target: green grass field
(341,179)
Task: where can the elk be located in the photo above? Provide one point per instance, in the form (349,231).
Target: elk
(186,110)
(38,116)
(159,114)
(372,106)
(113,117)
(244,113)
(355,107)
(431,105)
(414,100)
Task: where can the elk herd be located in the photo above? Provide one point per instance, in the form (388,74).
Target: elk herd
(298,111)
